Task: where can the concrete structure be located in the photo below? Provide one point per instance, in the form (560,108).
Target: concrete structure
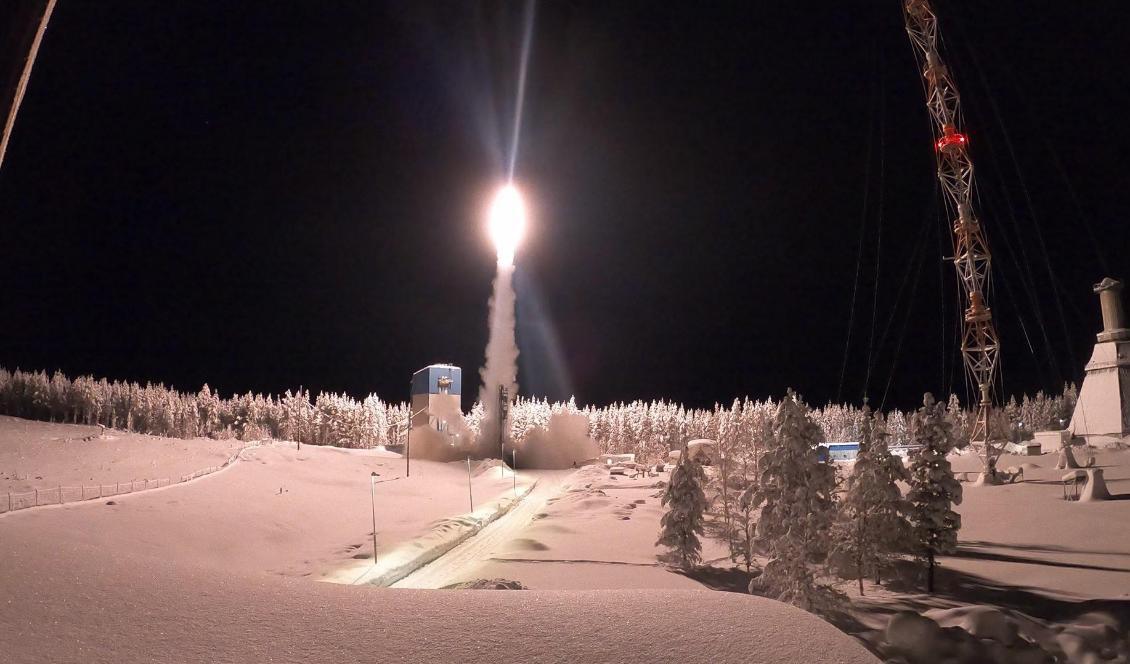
(1052,441)
(1102,414)
(616,459)
(436,391)
(1025,448)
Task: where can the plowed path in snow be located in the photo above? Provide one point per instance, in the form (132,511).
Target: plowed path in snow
(449,568)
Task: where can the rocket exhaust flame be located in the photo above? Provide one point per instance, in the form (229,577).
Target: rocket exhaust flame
(507,223)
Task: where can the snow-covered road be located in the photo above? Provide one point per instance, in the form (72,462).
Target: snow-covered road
(452,566)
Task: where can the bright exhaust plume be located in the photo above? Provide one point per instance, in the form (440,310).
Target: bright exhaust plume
(507,223)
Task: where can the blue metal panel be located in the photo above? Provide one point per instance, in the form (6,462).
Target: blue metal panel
(426,380)
(843,451)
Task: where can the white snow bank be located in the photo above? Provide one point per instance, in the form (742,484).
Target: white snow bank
(74,604)
(277,511)
(975,634)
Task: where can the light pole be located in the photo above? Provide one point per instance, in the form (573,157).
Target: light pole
(514,469)
(373,499)
(373,482)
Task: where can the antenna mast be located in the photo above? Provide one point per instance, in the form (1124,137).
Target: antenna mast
(980,345)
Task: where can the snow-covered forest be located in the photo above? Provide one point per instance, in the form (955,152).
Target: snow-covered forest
(648,429)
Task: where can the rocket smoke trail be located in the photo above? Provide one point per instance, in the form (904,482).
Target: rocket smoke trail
(501,367)
(507,221)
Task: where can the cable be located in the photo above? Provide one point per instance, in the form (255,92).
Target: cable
(862,233)
(879,226)
(914,263)
(1053,280)
(906,322)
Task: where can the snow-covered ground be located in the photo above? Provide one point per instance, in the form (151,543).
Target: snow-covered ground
(278,511)
(454,565)
(598,532)
(222,570)
(40,455)
(1025,535)
(1029,564)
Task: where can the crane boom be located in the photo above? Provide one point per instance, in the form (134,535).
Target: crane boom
(980,345)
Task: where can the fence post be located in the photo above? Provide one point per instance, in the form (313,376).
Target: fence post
(9,501)
(37,497)
(117,488)
(60,494)
(82,492)
(100,490)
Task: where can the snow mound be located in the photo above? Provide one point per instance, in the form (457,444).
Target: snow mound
(230,619)
(488,465)
(487,584)
(986,635)
(974,634)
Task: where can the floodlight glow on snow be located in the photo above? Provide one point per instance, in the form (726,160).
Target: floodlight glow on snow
(507,223)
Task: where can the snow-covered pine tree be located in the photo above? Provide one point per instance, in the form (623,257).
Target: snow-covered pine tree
(759,431)
(871,522)
(729,486)
(933,489)
(796,493)
(682,523)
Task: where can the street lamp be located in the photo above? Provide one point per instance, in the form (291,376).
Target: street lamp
(373,499)
(373,482)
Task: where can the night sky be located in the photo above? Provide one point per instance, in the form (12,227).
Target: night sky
(262,195)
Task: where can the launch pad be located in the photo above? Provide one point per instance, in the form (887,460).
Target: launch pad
(1102,413)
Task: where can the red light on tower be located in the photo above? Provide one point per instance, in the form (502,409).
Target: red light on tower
(949,138)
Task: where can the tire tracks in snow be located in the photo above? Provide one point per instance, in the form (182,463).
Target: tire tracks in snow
(449,568)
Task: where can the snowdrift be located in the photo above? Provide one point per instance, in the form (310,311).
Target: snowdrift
(976,634)
(171,612)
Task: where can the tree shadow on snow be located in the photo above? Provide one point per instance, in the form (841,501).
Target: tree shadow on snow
(726,579)
(1040,548)
(957,588)
(971,554)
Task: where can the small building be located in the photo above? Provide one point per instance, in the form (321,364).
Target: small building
(616,459)
(842,451)
(436,394)
(848,451)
